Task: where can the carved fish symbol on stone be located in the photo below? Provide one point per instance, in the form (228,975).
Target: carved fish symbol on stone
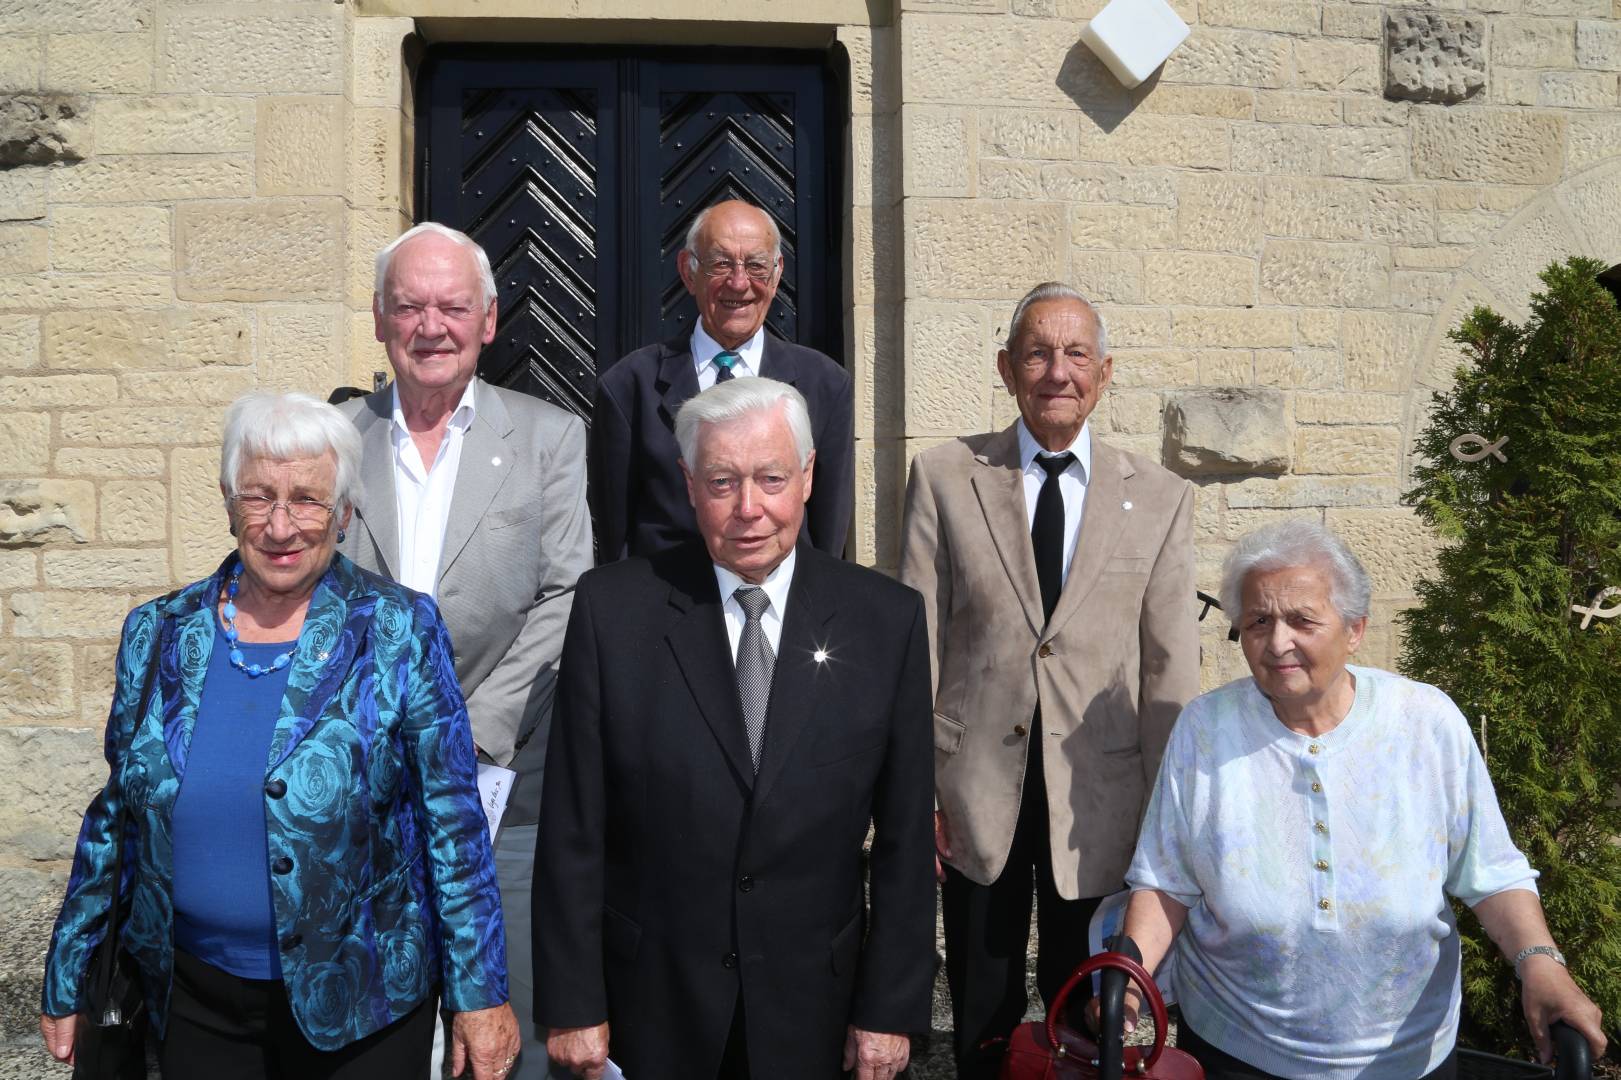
(1593,611)
(1480,445)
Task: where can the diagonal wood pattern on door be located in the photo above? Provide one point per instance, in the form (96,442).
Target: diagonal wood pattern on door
(725,146)
(532,180)
(579,169)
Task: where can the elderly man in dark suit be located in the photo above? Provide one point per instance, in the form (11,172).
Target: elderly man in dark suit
(731,716)
(1058,576)
(475,495)
(732,266)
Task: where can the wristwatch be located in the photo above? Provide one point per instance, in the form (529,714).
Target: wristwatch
(1538,950)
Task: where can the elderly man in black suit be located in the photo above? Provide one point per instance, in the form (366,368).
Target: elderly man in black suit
(730,717)
(732,265)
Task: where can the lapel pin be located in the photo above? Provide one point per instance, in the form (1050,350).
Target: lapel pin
(496,462)
(1126,505)
(820,656)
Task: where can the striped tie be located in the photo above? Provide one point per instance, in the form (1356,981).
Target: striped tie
(723,365)
(755,662)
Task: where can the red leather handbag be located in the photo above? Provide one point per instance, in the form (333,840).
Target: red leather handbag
(1054,1051)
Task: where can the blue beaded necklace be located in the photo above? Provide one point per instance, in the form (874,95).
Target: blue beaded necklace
(228,628)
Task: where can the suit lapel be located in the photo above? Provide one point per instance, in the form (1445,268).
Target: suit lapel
(793,687)
(774,363)
(187,643)
(1000,487)
(1101,523)
(375,503)
(677,379)
(335,629)
(698,641)
(485,463)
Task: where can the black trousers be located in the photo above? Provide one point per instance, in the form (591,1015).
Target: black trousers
(987,935)
(1220,1065)
(734,1061)
(221,1025)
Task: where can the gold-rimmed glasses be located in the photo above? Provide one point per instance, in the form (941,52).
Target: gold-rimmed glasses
(758,270)
(306,513)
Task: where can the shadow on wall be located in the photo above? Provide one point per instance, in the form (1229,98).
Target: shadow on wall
(1087,82)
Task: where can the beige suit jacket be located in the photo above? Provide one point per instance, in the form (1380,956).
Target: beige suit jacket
(1111,671)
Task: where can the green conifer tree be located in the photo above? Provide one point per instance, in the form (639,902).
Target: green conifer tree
(1528,539)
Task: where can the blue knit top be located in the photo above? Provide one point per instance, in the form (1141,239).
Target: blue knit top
(222,912)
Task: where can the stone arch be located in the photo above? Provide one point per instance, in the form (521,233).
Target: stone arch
(1577,216)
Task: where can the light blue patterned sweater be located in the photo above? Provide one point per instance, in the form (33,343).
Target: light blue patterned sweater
(1319,941)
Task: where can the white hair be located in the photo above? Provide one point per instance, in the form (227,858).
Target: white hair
(736,398)
(1055,290)
(289,425)
(702,219)
(1297,542)
(486,276)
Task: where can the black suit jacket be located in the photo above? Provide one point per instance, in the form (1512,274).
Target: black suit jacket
(638,497)
(670,877)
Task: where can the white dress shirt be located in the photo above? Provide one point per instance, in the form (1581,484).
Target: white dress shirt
(704,348)
(776,590)
(1071,483)
(422,494)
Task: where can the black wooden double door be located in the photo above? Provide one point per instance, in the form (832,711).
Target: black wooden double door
(580,169)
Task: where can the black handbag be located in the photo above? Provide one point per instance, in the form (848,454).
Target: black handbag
(110,1040)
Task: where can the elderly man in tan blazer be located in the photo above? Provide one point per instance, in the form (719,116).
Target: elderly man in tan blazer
(1057,573)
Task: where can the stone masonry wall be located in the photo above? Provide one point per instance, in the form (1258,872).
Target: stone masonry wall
(1257,217)
(190,196)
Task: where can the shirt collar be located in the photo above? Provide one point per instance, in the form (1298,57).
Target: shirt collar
(775,584)
(705,347)
(461,418)
(1081,448)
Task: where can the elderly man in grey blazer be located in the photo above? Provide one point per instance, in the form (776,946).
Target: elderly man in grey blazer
(1057,573)
(475,495)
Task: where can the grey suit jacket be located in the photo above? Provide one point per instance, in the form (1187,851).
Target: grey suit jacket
(517,539)
(1111,670)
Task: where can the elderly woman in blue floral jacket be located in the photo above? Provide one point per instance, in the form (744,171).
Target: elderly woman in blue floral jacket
(311,865)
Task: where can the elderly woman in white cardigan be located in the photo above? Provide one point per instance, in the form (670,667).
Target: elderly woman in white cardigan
(1306,829)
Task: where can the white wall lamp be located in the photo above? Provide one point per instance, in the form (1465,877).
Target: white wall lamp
(1133,37)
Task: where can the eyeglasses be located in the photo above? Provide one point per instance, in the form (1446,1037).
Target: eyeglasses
(256,510)
(758,270)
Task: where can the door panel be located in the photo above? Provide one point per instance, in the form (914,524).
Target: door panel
(579,170)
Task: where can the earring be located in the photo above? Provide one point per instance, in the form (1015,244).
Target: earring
(342,536)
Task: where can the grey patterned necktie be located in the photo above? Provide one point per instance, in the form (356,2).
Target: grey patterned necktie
(755,661)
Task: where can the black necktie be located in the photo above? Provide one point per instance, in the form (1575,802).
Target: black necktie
(723,365)
(1047,532)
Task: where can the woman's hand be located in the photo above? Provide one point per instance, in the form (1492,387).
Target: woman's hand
(942,846)
(487,1039)
(1548,993)
(58,1032)
(1133,1009)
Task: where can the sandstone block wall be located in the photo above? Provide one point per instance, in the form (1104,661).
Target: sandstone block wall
(190,196)
(1258,218)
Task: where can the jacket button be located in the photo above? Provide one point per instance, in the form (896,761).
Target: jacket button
(1045,651)
(745,883)
(283,865)
(291,942)
(276,788)
(729,960)
(1019,729)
